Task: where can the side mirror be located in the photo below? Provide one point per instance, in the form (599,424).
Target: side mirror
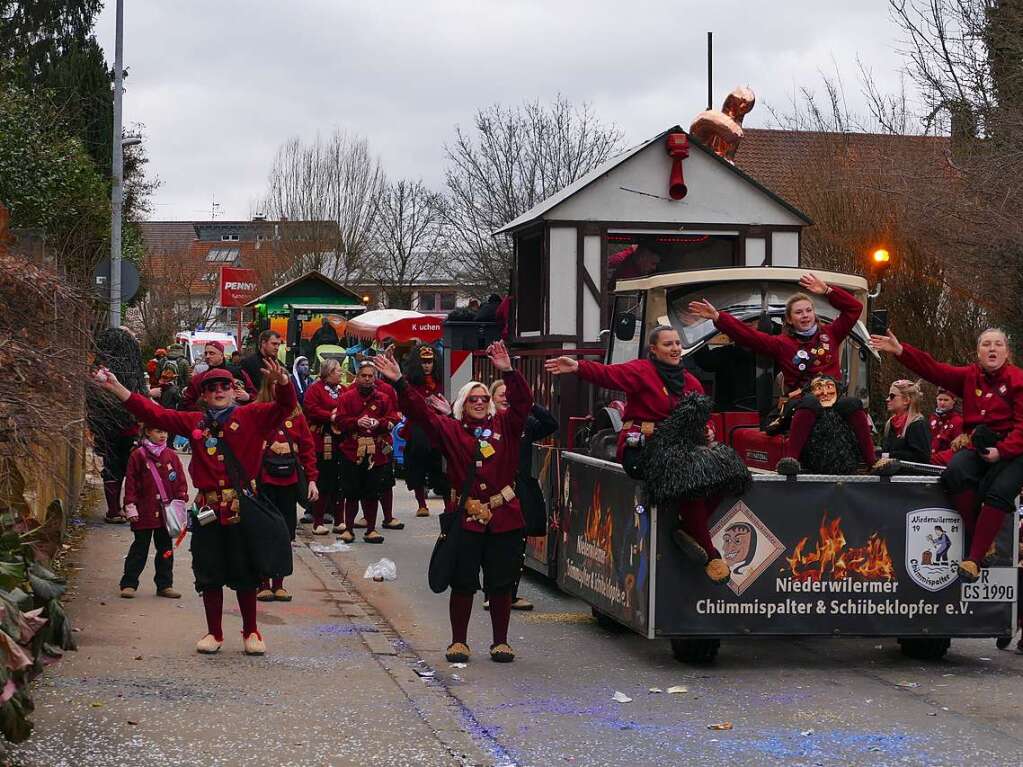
(625,326)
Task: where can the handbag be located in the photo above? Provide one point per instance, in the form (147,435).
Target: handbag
(175,512)
(284,466)
(264,532)
(444,557)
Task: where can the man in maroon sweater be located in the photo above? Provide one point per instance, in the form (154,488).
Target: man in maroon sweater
(218,552)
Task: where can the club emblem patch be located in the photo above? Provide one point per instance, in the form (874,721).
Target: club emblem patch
(934,546)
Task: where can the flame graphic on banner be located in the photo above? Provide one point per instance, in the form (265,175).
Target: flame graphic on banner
(833,561)
(599,526)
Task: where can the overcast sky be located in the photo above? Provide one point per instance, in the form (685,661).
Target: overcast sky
(220,85)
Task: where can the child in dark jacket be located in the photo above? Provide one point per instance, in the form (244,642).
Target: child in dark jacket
(144,500)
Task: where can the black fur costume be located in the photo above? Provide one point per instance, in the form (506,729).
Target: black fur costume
(679,465)
(832,446)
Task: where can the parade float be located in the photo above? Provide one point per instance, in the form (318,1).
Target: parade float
(626,248)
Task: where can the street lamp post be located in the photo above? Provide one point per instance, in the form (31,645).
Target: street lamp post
(117,189)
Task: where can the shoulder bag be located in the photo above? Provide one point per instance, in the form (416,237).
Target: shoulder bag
(444,558)
(175,512)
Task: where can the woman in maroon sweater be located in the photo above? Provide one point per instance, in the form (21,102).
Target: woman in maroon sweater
(990,475)
(320,406)
(493,527)
(654,387)
(288,448)
(806,350)
(219,553)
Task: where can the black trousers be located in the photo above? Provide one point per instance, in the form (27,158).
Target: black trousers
(285,499)
(115,452)
(499,555)
(997,484)
(138,553)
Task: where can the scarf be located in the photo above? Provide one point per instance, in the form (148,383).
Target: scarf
(366,391)
(673,376)
(334,391)
(221,415)
(153,449)
(939,411)
(808,333)
(899,424)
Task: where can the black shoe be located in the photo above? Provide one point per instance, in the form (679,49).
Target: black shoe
(788,467)
(689,546)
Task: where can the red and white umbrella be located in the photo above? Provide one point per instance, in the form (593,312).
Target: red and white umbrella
(400,324)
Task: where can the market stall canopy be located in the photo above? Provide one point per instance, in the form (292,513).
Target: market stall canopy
(400,324)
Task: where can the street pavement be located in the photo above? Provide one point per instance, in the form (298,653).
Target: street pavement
(355,675)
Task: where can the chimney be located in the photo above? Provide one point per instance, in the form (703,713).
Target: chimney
(963,129)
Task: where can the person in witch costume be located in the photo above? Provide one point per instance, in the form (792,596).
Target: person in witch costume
(832,447)
(493,526)
(219,553)
(654,387)
(989,476)
(365,415)
(807,349)
(320,406)
(423,466)
(115,431)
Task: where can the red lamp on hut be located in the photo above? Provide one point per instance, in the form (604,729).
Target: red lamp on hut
(677,147)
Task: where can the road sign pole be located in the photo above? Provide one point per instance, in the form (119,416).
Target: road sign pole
(116,187)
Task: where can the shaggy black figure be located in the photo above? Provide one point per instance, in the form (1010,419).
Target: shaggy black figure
(832,447)
(680,465)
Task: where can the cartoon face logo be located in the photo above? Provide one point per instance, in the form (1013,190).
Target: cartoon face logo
(740,546)
(747,545)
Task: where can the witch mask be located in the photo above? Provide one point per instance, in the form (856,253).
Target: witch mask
(825,390)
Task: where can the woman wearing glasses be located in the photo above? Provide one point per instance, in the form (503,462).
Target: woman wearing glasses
(485,443)
(983,482)
(227,441)
(906,436)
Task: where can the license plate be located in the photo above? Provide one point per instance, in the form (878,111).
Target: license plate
(996,584)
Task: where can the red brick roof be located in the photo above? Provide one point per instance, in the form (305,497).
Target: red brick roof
(776,158)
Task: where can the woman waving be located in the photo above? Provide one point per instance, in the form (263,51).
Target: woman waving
(804,351)
(990,475)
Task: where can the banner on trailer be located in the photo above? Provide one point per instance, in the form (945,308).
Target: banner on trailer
(825,557)
(546,466)
(604,551)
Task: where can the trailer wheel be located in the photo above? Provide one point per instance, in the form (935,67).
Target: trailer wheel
(925,648)
(606,622)
(695,650)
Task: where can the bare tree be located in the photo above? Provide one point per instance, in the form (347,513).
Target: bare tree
(327,192)
(408,239)
(179,295)
(514,158)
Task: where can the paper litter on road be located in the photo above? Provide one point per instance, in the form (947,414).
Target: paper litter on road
(329,548)
(907,684)
(656,689)
(459,665)
(720,726)
(806,733)
(621,697)
(425,673)
(984,659)
(677,689)
(382,570)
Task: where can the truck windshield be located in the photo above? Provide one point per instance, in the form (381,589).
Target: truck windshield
(742,299)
